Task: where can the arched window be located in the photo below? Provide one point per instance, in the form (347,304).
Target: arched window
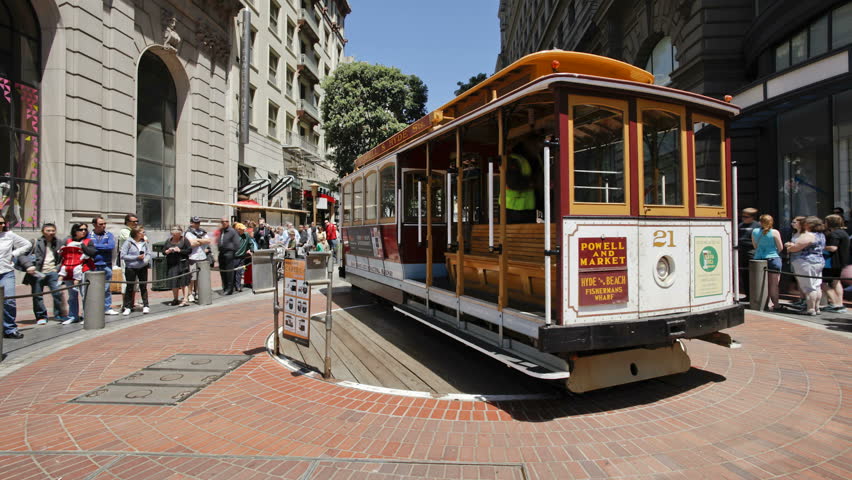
(20,79)
(156,122)
(662,61)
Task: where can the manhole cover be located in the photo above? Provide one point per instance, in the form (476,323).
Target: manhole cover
(219,363)
(170,378)
(137,395)
(166,382)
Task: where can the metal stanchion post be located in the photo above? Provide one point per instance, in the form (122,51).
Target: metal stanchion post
(203,283)
(93,301)
(276,308)
(758,293)
(328,318)
(2,301)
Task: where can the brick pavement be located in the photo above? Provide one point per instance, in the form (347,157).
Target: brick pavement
(777,408)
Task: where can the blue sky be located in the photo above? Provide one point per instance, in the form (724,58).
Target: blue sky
(440,41)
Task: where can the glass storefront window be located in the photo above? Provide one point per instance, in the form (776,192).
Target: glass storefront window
(388,193)
(708,164)
(598,154)
(843,148)
(662,61)
(20,77)
(662,157)
(806,168)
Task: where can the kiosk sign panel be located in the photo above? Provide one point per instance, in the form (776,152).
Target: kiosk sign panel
(297,302)
(602,265)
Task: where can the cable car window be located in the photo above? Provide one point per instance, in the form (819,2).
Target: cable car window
(662,157)
(387,192)
(708,164)
(598,154)
(358,200)
(370,196)
(409,180)
(347,203)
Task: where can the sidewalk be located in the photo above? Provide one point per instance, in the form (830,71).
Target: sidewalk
(776,408)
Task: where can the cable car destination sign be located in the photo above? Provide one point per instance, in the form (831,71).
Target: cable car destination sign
(602,264)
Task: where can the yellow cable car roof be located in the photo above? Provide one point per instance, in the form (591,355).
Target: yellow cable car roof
(519,73)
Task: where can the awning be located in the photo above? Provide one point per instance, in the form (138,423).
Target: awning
(252,205)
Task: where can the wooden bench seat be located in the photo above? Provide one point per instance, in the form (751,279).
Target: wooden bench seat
(524,247)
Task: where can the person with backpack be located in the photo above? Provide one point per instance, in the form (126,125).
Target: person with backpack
(243,255)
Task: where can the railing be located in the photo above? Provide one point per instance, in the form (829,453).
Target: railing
(310,62)
(309,108)
(310,20)
(306,144)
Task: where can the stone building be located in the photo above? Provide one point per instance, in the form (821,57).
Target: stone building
(116,106)
(295,45)
(786,62)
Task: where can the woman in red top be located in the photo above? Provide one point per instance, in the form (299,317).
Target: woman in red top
(77,253)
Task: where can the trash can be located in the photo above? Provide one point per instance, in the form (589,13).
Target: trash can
(159,269)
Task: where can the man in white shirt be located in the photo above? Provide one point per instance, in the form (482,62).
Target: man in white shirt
(199,240)
(12,246)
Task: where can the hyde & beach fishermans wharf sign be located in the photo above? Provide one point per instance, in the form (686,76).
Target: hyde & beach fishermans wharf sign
(602,264)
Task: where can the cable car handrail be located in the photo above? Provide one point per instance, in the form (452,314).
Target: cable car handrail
(611,172)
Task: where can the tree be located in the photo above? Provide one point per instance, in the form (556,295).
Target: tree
(471,82)
(365,104)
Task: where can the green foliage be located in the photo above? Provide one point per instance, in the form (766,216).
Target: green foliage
(471,82)
(365,104)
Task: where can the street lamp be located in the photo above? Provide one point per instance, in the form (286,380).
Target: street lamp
(314,188)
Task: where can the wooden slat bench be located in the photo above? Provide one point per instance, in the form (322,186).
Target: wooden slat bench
(524,246)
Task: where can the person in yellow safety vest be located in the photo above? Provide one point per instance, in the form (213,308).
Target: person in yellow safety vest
(520,194)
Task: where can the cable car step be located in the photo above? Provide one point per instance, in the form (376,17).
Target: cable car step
(506,357)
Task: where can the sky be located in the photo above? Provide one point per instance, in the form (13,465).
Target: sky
(440,41)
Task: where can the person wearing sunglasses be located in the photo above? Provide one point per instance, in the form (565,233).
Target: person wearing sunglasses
(77,253)
(12,246)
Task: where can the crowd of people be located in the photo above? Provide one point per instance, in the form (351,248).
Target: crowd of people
(53,263)
(813,249)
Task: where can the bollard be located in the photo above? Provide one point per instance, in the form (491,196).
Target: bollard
(93,300)
(205,291)
(758,293)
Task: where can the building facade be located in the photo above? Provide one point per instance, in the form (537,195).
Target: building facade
(117,106)
(295,45)
(111,107)
(785,62)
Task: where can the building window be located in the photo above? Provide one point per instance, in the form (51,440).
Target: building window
(156,123)
(387,183)
(662,61)
(20,81)
(274,12)
(252,38)
(291,32)
(288,87)
(273,67)
(662,157)
(273,120)
(841,26)
(252,90)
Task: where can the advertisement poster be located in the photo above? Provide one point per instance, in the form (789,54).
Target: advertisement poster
(602,265)
(297,302)
(708,279)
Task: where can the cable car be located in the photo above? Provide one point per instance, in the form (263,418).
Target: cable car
(566,217)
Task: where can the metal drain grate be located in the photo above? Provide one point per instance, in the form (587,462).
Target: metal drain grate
(166,382)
